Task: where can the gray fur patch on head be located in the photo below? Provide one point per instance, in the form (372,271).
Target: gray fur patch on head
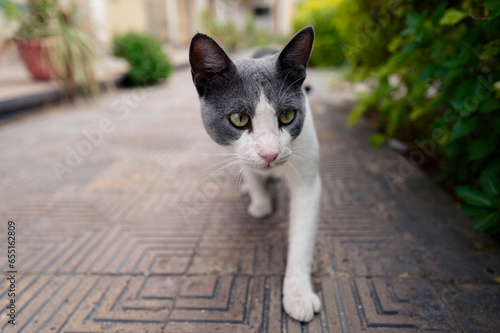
(237,86)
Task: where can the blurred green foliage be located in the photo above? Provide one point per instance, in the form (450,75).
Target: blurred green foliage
(366,29)
(41,19)
(322,15)
(224,32)
(148,63)
(434,68)
(230,37)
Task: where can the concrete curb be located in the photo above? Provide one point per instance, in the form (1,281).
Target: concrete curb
(54,97)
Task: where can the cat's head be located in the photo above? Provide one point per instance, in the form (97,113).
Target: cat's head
(255,105)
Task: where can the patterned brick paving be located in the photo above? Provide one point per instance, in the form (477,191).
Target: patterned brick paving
(141,234)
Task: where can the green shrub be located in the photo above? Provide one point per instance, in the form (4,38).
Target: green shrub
(438,80)
(327,44)
(366,29)
(148,63)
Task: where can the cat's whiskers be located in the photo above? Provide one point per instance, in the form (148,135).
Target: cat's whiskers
(298,157)
(294,169)
(227,165)
(284,97)
(284,80)
(241,176)
(287,177)
(216,154)
(234,177)
(222,162)
(284,94)
(298,149)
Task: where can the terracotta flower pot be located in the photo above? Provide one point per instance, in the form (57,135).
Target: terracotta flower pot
(36,58)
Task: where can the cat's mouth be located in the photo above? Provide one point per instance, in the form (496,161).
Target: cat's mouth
(272,165)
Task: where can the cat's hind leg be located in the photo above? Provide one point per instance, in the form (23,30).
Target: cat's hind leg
(260,198)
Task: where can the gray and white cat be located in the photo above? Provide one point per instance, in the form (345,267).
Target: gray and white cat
(259,107)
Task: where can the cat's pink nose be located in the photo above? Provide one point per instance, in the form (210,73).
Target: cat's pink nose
(269,157)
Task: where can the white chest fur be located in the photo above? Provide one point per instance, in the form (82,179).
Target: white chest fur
(301,171)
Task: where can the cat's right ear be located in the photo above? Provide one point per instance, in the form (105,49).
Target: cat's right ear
(207,60)
(294,57)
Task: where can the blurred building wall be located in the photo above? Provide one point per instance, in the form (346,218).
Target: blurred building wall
(176,21)
(125,15)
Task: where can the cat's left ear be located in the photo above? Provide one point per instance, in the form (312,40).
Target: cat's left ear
(294,57)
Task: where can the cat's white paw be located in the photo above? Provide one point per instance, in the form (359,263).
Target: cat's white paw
(301,306)
(260,209)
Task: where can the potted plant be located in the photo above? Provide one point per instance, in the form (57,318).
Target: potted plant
(51,44)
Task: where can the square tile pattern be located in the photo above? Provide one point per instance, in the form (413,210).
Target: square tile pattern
(145,234)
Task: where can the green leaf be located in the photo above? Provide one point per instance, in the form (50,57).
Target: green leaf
(409,48)
(452,63)
(491,49)
(462,90)
(417,112)
(451,17)
(492,4)
(483,222)
(395,43)
(490,104)
(438,13)
(417,95)
(393,121)
(414,20)
(463,128)
(474,211)
(474,197)
(454,147)
(377,139)
(495,14)
(452,74)
(496,124)
(494,165)
(490,182)
(482,147)
(407,31)
(355,114)
(427,73)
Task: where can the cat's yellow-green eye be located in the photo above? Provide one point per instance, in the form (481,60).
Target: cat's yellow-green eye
(239,119)
(286,117)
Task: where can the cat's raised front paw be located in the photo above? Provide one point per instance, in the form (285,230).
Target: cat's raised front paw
(260,209)
(301,306)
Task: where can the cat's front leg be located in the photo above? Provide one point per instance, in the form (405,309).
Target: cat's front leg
(260,198)
(299,299)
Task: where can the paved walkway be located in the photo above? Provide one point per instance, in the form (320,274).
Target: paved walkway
(121,229)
